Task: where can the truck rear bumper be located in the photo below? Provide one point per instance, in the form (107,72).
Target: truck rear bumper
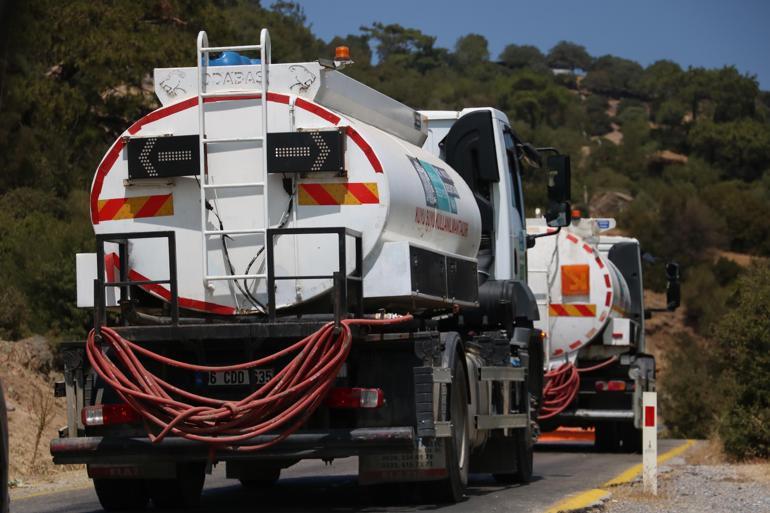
(335,443)
(596,415)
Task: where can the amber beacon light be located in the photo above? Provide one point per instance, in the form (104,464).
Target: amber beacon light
(342,53)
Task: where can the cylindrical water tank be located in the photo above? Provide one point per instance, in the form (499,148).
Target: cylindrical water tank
(579,290)
(391,191)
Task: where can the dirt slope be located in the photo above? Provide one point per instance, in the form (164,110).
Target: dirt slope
(34,416)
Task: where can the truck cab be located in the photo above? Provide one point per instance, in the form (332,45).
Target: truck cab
(480,143)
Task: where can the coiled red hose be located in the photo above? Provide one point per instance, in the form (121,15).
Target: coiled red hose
(282,405)
(562,385)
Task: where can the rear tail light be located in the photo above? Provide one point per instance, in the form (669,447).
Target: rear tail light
(355,398)
(108,414)
(610,386)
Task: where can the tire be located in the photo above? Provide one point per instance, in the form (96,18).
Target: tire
(184,491)
(524,452)
(457,447)
(262,479)
(607,437)
(121,494)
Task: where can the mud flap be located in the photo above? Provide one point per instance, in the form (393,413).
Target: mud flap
(427,462)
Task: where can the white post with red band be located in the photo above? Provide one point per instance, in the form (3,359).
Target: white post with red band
(650,442)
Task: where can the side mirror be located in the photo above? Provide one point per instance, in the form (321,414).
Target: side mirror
(673,290)
(559,212)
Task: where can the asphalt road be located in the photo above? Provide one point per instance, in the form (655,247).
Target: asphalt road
(310,486)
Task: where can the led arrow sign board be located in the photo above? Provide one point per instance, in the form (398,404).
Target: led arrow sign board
(313,151)
(162,157)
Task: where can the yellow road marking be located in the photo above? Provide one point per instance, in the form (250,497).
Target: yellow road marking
(588,497)
(631,473)
(582,500)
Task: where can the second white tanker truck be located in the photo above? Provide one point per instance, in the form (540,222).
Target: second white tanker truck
(590,294)
(289,265)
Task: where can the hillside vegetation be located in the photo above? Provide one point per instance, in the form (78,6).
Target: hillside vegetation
(680,156)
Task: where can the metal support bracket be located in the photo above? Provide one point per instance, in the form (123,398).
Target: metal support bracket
(514,420)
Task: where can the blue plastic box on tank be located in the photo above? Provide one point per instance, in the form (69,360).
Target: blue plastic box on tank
(232,59)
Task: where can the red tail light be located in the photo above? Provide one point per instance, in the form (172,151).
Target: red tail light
(108,414)
(355,398)
(610,386)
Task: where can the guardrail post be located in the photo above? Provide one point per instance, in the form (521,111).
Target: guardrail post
(650,442)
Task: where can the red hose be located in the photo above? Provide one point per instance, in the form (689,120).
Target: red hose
(282,405)
(562,385)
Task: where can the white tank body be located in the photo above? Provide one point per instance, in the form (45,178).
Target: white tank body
(392,191)
(577,288)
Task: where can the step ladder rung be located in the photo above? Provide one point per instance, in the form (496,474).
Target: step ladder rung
(220,140)
(243,231)
(232,185)
(239,48)
(226,277)
(243,92)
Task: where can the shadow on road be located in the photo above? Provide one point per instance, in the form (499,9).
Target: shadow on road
(334,493)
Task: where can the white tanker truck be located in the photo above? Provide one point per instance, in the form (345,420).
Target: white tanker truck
(289,265)
(590,298)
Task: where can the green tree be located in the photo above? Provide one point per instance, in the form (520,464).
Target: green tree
(613,76)
(567,55)
(740,148)
(471,50)
(742,338)
(522,56)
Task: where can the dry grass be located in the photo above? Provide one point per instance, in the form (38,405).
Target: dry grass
(706,452)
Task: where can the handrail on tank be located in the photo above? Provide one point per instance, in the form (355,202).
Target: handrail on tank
(340,278)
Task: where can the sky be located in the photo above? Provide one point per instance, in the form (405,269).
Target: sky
(708,33)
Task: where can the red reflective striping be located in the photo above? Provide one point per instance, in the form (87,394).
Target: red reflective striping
(575,344)
(225,98)
(162,113)
(111,263)
(560,310)
(154,203)
(607,281)
(278,98)
(368,151)
(191,304)
(557,352)
(572,238)
(617,335)
(588,249)
(319,194)
(608,299)
(318,111)
(362,193)
(649,416)
(101,172)
(110,208)
(584,310)
(117,147)
(599,261)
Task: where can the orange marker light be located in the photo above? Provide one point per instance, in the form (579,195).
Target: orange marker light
(342,53)
(575,280)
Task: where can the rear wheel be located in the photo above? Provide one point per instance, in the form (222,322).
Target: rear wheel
(121,494)
(184,491)
(456,447)
(524,450)
(607,437)
(261,479)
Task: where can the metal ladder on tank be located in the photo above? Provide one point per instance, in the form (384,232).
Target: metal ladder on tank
(203,141)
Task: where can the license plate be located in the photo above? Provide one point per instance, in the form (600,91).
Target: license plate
(236,377)
(262,376)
